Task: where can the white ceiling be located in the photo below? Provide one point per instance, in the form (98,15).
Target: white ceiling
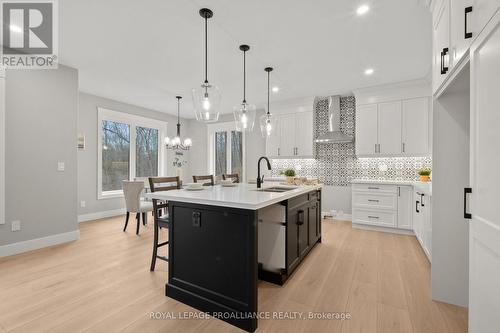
(146,52)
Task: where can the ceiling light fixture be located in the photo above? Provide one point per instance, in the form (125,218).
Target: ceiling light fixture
(176,143)
(275,89)
(362,10)
(268,121)
(206,98)
(369,71)
(244,114)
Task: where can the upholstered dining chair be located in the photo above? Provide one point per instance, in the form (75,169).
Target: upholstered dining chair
(132,192)
(160,212)
(206,180)
(232,176)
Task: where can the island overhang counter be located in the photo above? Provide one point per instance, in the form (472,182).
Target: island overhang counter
(223,239)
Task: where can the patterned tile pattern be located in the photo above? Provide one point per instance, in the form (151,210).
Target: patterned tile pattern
(336,163)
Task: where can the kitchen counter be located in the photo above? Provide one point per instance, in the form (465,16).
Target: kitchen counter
(424,187)
(242,196)
(222,240)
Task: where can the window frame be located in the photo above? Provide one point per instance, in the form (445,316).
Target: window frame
(2,145)
(132,121)
(224,127)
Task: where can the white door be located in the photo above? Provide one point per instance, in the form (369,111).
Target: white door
(287,139)
(482,11)
(484,235)
(366,129)
(415,122)
(441,41)
(304,134)
(405,213)
(461,36)
(389,128)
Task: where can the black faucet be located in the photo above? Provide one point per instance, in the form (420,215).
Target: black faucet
(261,180)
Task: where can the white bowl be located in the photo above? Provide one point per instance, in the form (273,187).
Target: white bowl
(194,185)
(226,182)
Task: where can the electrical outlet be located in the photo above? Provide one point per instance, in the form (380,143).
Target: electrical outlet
(60,166)
(16,225)
(83,204)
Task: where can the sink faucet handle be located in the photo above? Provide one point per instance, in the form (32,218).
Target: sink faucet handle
(262,180)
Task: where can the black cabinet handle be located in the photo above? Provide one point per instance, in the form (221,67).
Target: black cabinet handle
(467,190)
(416,206)
(422,200)
(467,35)
(300,217)
(373,217)
(196,219)
(444,69)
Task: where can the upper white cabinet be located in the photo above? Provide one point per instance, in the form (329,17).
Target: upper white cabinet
(456,24)
(293,137)
(397,128)
(366,129)
(389,128)
(415,126)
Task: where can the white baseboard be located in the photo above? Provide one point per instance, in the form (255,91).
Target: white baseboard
(343,217)
(383,229)
(38,243)
(101,215)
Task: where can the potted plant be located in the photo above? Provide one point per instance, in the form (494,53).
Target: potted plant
(289,174)
(424,174)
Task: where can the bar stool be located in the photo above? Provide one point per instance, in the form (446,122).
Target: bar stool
(160,212)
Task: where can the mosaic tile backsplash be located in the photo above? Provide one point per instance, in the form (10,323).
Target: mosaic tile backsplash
(336,164)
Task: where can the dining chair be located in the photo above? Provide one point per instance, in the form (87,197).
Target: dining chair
(206,180)
(132,192)
(233,176)
(160,212)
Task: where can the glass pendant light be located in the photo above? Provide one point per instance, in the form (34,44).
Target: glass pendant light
(244,114)
(177,143)
(268,122)
(206,98)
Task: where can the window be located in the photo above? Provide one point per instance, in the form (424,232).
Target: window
(129,146)
(146,156)
(115,154)
(226,150)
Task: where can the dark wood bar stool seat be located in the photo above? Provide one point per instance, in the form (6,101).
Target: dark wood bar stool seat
(160,212)
(206,180)
(233,176)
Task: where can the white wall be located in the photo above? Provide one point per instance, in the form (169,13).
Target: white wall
(87,159)
(41,122)
(2,146)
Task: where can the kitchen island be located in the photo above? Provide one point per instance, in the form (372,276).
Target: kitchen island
(223,239)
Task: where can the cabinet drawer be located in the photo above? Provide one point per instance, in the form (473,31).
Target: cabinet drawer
(375,200)
(384,219)
(375,188)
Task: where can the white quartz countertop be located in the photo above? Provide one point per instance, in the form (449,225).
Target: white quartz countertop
(244,196)
(424,187)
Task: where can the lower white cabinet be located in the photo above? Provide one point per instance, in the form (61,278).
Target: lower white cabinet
(422,221)
(382,205)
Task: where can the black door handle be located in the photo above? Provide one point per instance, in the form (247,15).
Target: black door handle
(467,35)
(444,69)
(467,190)
(300,217)
(416,206)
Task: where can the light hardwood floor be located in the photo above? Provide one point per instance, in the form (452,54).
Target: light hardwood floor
(102,283)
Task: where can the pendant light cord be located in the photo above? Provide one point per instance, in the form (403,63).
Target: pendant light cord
(268,74)
(206,50)
(244,76)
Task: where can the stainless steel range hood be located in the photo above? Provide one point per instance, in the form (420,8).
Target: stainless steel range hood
(334,134)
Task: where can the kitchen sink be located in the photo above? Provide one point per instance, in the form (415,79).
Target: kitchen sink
(276,189)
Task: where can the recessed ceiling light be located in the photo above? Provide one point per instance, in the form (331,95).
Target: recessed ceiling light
(362,10)
(369,71)
(15,28)
(275,89)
